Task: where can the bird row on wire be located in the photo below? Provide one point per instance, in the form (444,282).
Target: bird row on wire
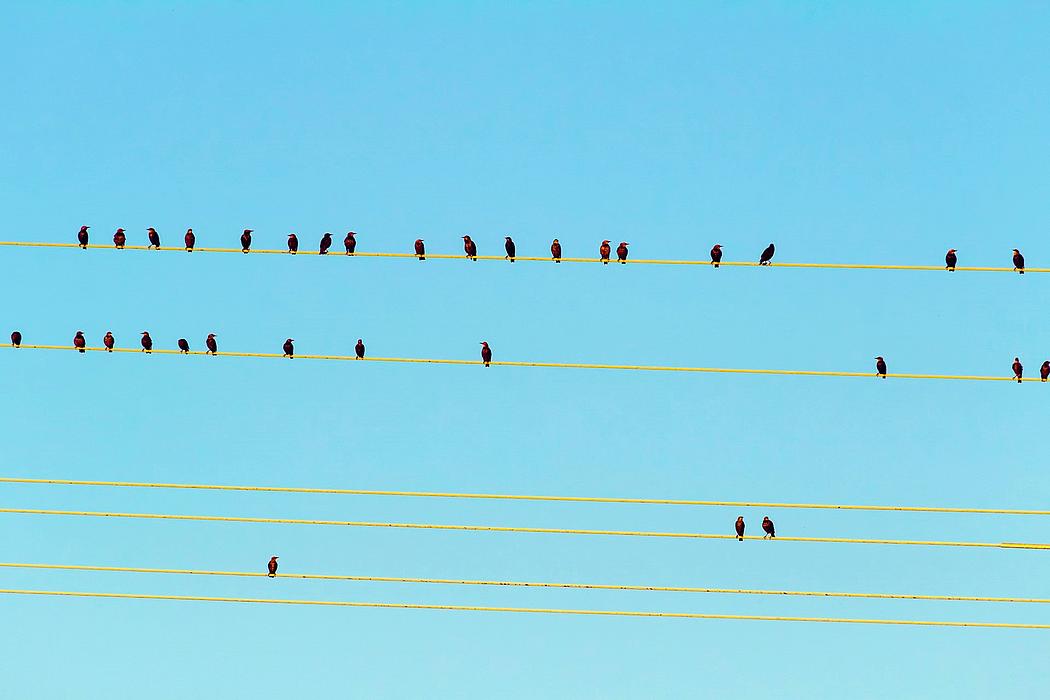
(120,239)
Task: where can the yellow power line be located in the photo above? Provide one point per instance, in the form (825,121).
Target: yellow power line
(499,528)
(492,608)
(500,258)
(568,365)
(516,497)
(527,584)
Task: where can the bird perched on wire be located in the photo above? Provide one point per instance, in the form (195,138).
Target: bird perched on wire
(470,247)
(78,341)
(767,255)
(246,240)
(509,246)
(603,251)
(119,239)
(326,243)
(210,343)
(486,353)
(880,367)
(767,527)
(147,342)
(16,338)
(950,258)
(621,253)
(154,238)
(184,346)
(716,254)
(360,349)
(350,243)
(421,250)
(1018,369)
(293,243)
(289,349)
(190,240)
(1018,262)
(271,567)
(82,237)
(556,250)
(109,341)
(1044,371)
(740,528)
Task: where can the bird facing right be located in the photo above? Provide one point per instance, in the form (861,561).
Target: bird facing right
(716,254)
(246,240)
(767,255)
(271,567)
(421,250)
(604,250)
(79,342)
(326,243)
(1044,371)
(621,252)
(190,240)
(950,259)
(184,346)
(556,250)
(82,237)
(359,349)
(16,338)
(109,341)
(289,349)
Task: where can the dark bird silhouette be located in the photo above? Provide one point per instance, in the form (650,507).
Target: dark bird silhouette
(326,243)
(621,253)
(486,353)
(82,237)
(556,250)
(109,341)
(289,349)
(16,338)
(154,238)
(119,239)
(271,567)
(1044,371)
(360,349)
(470,247)
(767,255)
(210,343)
(293,243)
(350,243)
(78,341)
(716,254)
(740,528)
(147,342)
(767,527)
(184,346)
(604,251)
(1018,261)
(246,240)
(1018,369)
(950,259)
(421,250)
(190,240)
(510,248)
(880,367)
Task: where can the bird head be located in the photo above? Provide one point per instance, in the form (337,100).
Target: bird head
(351,234)
(1017,359)
(189,230)
(291,235)
(605,242)
(717,245)
(145,333)
(327,235)
(624,243)
(359,340)
(290,340)
(484,343)
(1016,251)
(466,238)
(151,229)
(879,357)
(211,335)
(419,240)
(84,228)
(555,240)
(952,250)
(120,230)
(247,230)
(507,237)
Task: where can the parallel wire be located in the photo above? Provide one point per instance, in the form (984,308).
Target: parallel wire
(517,497)
(500,258)
(551,611)
(567,365)
(498,528)
(528,584)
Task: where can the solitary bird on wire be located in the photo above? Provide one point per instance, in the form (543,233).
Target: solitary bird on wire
(486,353)
(190,240)
(154,238)
(289,349)
(184,346)
(78,341)
(210,343)
(293,243)
(716,254)
(119,239)
(880,367)
(950,259)
(510,248)
(82,237)
(109,341)
(350,243)
(767,255)
(621,253)
(271,567)
(246,240)
(421,250)
(326,243)
(740,528)
(16,338)
(470,247)
(603,251)
(1018,369)
(1044,371)
(767,527)
(147,342)
(556,250)
(360,349)
(1018,262)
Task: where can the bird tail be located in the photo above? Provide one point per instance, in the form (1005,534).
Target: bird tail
(80,349)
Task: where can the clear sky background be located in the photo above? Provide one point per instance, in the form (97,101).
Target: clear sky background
(846,132)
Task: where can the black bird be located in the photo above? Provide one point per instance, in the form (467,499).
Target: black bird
(716,254)
(556,250)
(950,259)
(360,349)
(82,237)
(109,341)
(421,250)
(154,238)
(880,367)
(470,248)
(1018,369)
(621,253)
(246,240)
(16,338)
(326,243)
(767,255)
(1018,261)
(190,240)
(78,341)
(603,251)
(210,343)
(1044,371)
(289,349)
(271,567)
(767,526)
(119,238)
(350,243)
(510,247)
(740,528)
(147,342)
(486,353)
(184,345)
(293,243)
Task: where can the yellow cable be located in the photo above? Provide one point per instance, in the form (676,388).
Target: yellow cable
(528,584)
(497,528)
(501,258)
(569,365)
(515,497)
(492,608)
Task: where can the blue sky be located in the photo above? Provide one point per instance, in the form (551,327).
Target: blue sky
(875,132)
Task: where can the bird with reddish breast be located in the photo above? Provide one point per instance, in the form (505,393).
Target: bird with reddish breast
(271,567)
(119,239)
(621,252)
(470,248)
(1018,369)
(154,238)
(209,342)
(767,527)
(716,254)
(486,353)
(246,240)
(289,349)
(293,243)
(16,338)
(190,240)
(82,237)
(421,250)
(359,349)
(740,528)
(109,341)
(147,342)
(184,346)
(350,242)
(1018,262)
(78,341)
(950,259)
(556,251)
(603,251)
